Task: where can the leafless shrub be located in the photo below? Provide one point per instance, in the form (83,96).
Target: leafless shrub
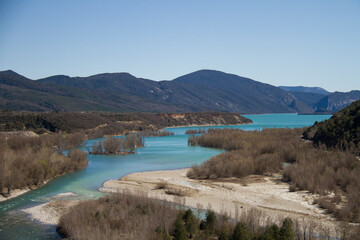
(26,162)
(113,146)
(161,185)
(176,192)
(304,167)
(163,133)
(118,217)
(195,131)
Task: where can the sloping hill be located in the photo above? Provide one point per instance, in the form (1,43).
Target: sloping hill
(239,94)
(311,99)
(19,93)
(340,131)
(322,101)
(202,90)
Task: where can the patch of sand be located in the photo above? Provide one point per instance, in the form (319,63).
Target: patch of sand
(230,196)
(14,193)
(18,192)
(50,212)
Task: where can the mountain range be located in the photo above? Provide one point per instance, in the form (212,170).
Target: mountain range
(204,90)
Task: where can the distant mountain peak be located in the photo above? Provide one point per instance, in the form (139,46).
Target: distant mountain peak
(318,90)
(10,72)
(112,74)
(208,75)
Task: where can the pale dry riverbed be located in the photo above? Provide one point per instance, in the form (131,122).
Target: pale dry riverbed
(227,196)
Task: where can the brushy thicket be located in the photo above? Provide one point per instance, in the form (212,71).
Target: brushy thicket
(195,131)
(112,146)
(249,152)
(29,161)
(163,133)
(122,216)
(118,217)
(269,151)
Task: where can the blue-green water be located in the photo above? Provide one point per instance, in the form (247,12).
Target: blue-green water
(159,153)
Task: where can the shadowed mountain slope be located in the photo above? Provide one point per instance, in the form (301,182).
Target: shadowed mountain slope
(337,101)
(204,90)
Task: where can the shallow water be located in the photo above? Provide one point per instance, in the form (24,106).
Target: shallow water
(159,153)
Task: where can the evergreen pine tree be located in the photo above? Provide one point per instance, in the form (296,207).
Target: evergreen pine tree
(210,221)
(241,232)
(287,231)
(179,229)
(191,223)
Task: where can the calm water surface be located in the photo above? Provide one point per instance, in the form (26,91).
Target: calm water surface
(159,153)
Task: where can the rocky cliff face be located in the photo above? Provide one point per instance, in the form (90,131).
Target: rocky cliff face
(337,101)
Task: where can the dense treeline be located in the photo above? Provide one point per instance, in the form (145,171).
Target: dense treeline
(341,131)
(282,150)
(122,216)
(195,131)
(29,161)
(112,145)
(163,133)
(98,124)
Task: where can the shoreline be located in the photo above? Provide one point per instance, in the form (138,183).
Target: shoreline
(15,193)
(18,192)
(265,196)
(225,196)
(207,125)
(49,213)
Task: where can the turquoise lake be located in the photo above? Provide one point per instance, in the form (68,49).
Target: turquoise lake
(159,153)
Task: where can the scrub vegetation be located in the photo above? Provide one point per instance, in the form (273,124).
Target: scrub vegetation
(30,161)
(195,131)
(122,216)
(114,146)
(163,133)
(335,175)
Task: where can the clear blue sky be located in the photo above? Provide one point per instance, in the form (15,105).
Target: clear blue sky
(311,43)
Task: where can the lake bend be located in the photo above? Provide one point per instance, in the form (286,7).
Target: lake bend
(159,153)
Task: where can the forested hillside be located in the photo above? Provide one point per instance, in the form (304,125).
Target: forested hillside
(342,130)
(204,90)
